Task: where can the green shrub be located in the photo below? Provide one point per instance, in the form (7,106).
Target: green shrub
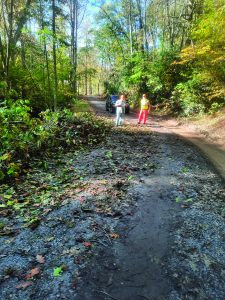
(188,98)
(23,137)
(215,107)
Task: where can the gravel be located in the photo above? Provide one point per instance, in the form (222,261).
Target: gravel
(78,229)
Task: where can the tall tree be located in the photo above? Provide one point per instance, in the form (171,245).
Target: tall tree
(55,90)
(13,19)
(74,28)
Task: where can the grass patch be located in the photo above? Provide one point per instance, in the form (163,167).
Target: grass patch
(81,105)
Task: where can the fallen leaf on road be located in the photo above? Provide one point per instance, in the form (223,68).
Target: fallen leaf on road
(99,210)
(189,200)
(40,259)
(72,251)
(32,273)
(177,199)
(24,284)
(57,272)
(184,206)
(82,199)
(7,231)
(49,239)
(47,210)
(78,190)
(5,212)
(114,235)
(87,244)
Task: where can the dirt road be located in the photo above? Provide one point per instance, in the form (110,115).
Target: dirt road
(213,151)
(170,246)
(139,217)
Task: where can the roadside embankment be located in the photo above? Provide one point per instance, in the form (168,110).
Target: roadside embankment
(207,133)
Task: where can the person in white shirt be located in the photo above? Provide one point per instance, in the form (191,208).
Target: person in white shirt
(120,109)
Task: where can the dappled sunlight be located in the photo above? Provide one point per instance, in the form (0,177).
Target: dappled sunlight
(110,196)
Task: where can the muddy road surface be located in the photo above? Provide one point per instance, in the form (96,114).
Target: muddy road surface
(139,217)
(213,150)
(162,253)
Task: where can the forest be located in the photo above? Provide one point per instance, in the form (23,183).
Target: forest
(96,202)
(52,52)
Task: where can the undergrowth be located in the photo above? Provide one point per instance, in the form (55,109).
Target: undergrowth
(24,137)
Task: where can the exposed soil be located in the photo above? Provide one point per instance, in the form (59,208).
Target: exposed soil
(207,133)
(212,127)
(140,217)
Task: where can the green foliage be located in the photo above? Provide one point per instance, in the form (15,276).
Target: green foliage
(184,170)
(202,65)
(15,123)
(80,105)
(57,271)
(185,67)
(23,136)
(109,154)
(163,74)
(171,52)
(135,72)
(198,94)
(215,107)
(112,85)
(187,98)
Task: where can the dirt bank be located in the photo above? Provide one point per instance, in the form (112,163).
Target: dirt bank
(207,133)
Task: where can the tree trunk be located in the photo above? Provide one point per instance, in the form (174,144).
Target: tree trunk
(145,27)
(9,43)
(13,34)
(86,83)
(169,22)
(130,27)
(173,24)
(89,86)
(45,56)
(74,25)
(55,90)
(98,88)
(141,27)
(2,58)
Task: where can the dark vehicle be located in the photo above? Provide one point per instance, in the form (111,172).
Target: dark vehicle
(110,104)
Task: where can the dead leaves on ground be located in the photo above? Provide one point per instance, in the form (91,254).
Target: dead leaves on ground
(87,244)
(32,273)
(40,259)
(24,284)
(5,212)
(8,231)
(74,251)
(114,235)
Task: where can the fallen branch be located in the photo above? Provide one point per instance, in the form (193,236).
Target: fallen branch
(100,242)
(107,236)
(102,292)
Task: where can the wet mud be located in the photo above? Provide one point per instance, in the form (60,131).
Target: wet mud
(140,217)
(154,258)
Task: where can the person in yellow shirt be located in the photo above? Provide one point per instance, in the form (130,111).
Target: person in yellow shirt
(145,109)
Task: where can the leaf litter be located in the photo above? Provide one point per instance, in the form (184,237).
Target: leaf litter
(70,210)
(64,212)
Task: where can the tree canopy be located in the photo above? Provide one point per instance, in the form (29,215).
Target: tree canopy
(172,49)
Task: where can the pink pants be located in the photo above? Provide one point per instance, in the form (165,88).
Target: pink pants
(143,115)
